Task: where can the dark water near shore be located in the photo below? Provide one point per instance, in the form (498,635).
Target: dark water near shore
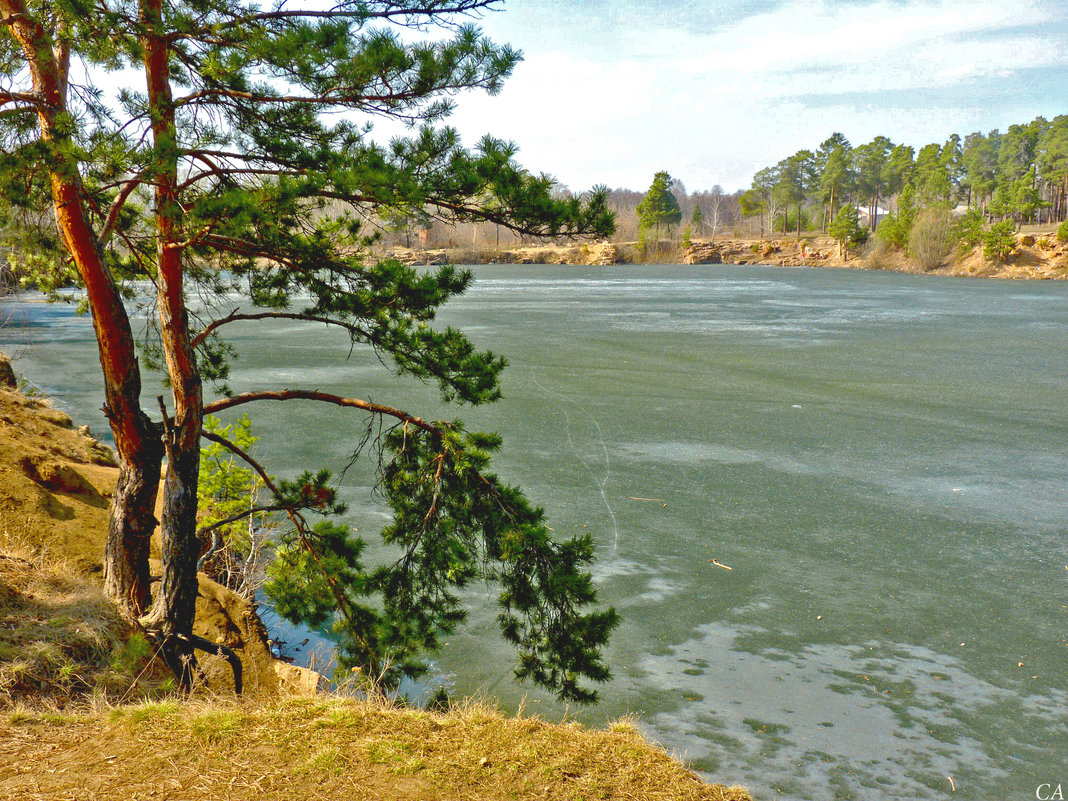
(881,459)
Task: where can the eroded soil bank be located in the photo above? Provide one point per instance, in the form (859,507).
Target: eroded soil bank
(1038,255)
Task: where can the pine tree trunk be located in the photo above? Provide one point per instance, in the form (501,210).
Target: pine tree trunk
(174,607)
(126,579)
(133,519)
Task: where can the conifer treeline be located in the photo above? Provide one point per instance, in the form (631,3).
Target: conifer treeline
(1021,175)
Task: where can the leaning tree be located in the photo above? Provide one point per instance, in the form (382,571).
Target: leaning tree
(209,146)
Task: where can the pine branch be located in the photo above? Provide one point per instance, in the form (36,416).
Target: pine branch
(235,316)
(322,397)
(226,172)
(357,13)
(213,529)
(244,455)
(33,100)
(116,207)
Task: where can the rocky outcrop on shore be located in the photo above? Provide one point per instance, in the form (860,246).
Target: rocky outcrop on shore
(597,255)
(1036,256)
(811,251)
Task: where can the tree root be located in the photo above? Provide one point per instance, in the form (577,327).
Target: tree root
(177,651)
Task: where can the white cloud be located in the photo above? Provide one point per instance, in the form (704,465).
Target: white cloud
(821,46)
(713,103)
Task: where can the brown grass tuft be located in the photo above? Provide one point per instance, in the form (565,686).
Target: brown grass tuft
(60,638)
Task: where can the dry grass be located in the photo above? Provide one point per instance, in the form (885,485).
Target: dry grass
(60,638)
(306,748)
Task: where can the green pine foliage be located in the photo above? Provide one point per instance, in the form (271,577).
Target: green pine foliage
(659,208)
(1062,232)
(895,229)
(265,148)
(697,220)
(846,228)
(970,230)
(891,232)
(786,220)
(235,518)
(999,240)
(453,523)
(1019,174)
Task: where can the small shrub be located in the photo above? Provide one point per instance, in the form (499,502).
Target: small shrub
(999,240)
(1062,232)
(893,231)
(130,656)
(877,253)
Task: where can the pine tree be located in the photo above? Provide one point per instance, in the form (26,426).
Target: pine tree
(659,208)
(245,165)
(697,220)
(845,228)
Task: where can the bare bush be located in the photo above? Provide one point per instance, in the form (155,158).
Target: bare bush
(933,237)
(877,253)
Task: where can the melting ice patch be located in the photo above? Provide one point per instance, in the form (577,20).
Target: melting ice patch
(872,720)
(695,453)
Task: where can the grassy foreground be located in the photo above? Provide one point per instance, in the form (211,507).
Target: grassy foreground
(312,748)
(87,713)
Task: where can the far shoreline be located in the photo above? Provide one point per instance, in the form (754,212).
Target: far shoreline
(1038,255)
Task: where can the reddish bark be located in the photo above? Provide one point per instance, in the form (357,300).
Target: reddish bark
(126,578)
(174,606)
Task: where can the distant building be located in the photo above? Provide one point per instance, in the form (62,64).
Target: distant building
(864,219)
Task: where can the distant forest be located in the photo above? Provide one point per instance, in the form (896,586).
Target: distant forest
(1019,175)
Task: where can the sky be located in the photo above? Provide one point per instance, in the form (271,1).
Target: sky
(612,91)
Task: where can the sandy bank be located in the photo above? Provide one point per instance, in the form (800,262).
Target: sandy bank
(1036,256)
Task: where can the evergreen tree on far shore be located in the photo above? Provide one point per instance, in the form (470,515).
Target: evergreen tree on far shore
(847,230)
(659,209)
